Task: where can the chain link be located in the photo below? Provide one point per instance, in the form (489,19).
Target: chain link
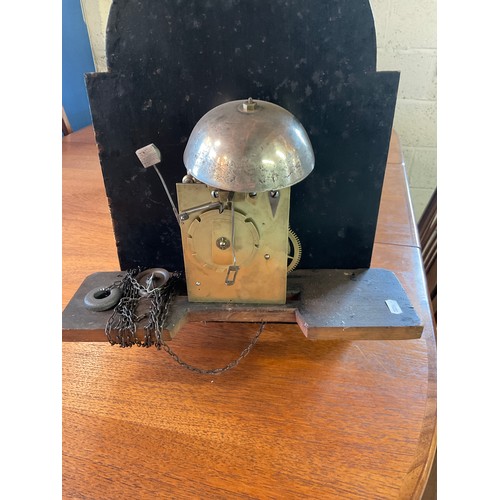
(123,321)
(216,371)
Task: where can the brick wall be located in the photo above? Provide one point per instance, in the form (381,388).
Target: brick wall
(406,41)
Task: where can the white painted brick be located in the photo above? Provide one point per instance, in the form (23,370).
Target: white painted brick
(380,10)
(419,199)
(418,71)
(412,24)
(96,27)
(409,46)
(408,154)
(415,123)
(424,170)
(104,6)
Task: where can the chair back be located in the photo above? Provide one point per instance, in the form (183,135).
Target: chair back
(66,126)
(427,228)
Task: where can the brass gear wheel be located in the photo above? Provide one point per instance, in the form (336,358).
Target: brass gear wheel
(294,251)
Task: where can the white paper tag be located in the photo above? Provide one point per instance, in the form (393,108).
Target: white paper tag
(393,306)
(149,155)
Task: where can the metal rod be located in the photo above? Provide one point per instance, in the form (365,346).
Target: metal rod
(184,215)
(232,271)
(176,213)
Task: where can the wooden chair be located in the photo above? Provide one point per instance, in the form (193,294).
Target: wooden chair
(66,126)
(427,228)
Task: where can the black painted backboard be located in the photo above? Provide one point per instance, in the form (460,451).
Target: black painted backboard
(171,61)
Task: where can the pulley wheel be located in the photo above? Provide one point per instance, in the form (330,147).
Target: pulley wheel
(102,298)
(152,278)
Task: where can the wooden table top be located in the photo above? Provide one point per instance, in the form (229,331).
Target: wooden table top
(296,419)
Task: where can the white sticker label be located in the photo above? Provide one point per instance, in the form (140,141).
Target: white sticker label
(149,155)
(393,306)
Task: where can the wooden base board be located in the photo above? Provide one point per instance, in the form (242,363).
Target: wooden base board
(327,304)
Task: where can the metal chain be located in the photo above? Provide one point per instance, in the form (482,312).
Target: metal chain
(161,299)
(215,371)
(123,321)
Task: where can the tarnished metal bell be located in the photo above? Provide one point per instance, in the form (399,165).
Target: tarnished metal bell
(249,146)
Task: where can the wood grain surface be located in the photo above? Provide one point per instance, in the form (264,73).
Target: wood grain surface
(296,419)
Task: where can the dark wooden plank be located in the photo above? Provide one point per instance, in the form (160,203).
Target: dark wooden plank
(327,304)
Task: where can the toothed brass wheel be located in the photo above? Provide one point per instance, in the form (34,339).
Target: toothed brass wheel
(294,251)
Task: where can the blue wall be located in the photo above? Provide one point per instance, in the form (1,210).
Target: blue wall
(76,60)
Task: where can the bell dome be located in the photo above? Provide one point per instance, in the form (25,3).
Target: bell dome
(249,146)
